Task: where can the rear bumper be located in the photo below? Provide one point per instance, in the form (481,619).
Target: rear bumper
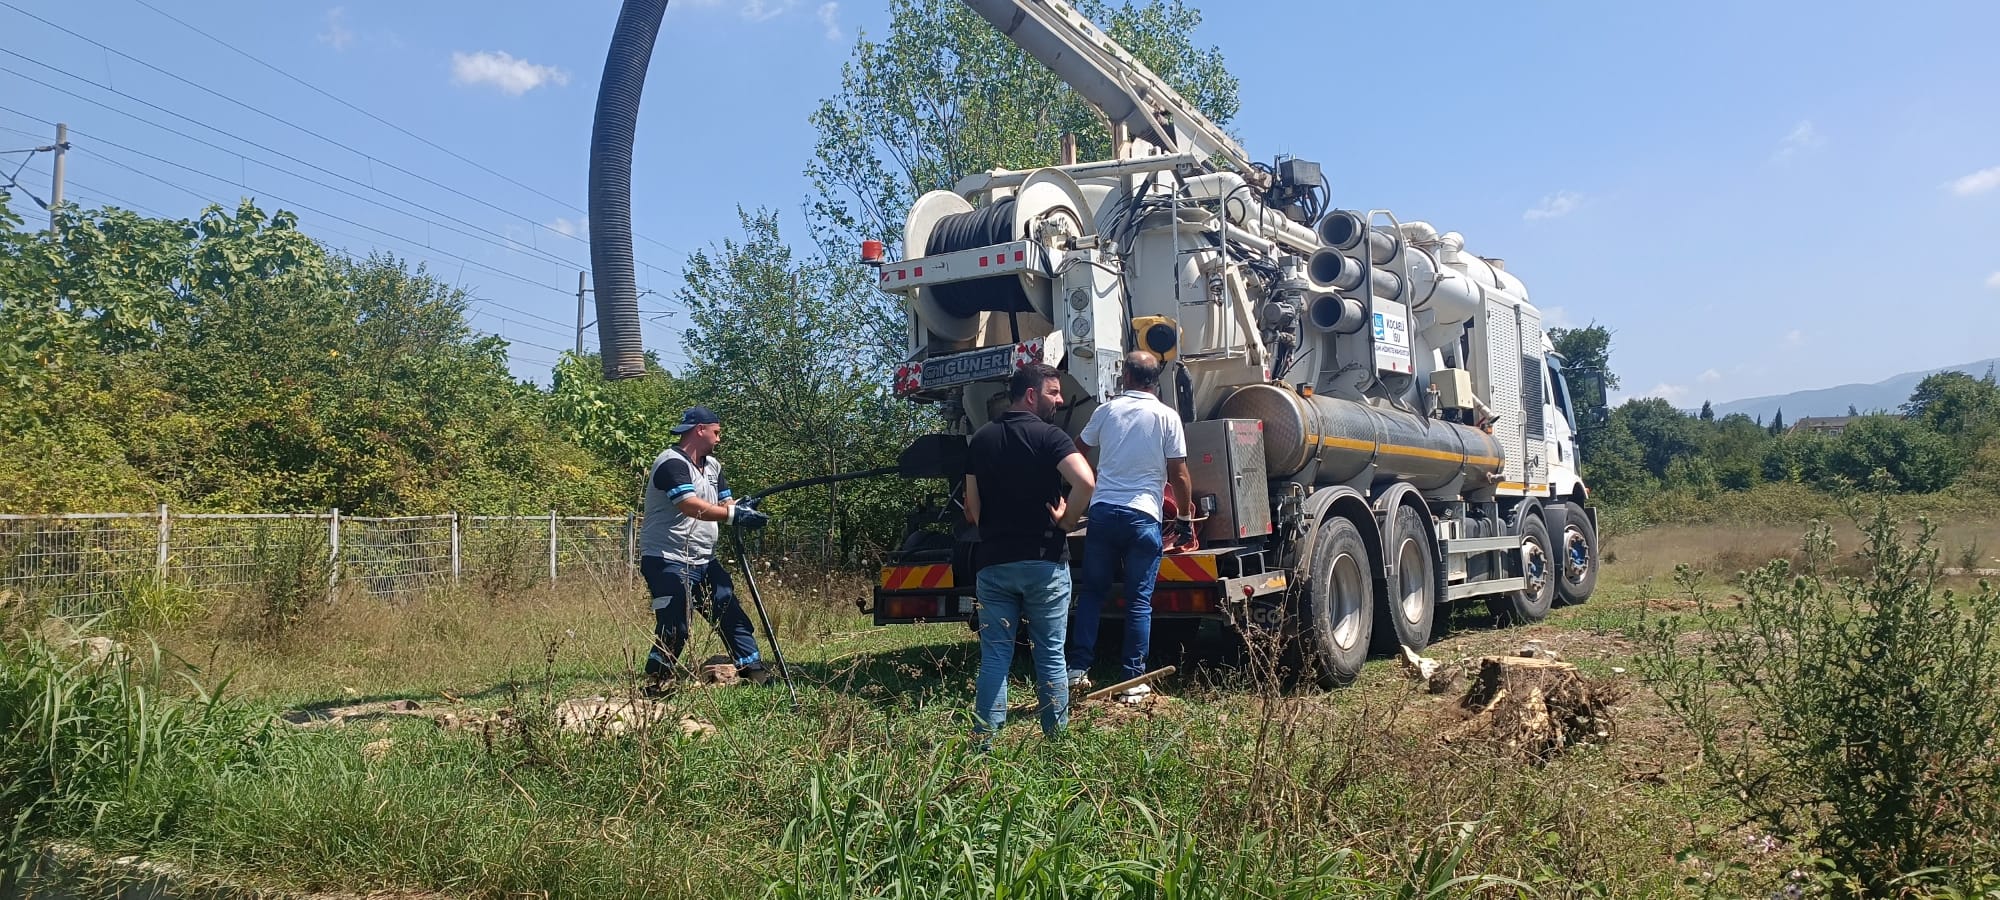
(1171,600)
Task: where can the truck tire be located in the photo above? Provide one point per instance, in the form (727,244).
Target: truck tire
(1340,608)
(1408,616)
(1532,605)
(1577,553)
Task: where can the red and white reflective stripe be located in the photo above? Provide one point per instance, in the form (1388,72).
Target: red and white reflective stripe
(1027,352)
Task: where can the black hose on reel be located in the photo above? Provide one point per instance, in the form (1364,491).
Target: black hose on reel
(983,227)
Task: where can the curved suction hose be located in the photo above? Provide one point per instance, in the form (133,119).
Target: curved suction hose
(612,274)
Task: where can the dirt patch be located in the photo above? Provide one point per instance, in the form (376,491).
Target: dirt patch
(592,716)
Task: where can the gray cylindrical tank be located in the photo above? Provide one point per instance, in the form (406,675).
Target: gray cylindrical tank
(1346,437)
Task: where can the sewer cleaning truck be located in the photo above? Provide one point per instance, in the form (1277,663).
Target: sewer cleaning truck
(1377,425)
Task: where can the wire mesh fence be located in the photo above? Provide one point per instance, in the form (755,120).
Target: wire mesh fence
(86,562)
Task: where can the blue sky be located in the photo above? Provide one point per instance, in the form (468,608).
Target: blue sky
(1757,197)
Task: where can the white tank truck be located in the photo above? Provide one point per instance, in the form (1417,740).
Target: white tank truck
(1378,427)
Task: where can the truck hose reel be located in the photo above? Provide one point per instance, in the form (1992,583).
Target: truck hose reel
(983,227)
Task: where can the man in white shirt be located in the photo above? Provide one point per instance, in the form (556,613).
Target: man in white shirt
(1140,444)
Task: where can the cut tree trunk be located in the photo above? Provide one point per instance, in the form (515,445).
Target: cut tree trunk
(1535,708)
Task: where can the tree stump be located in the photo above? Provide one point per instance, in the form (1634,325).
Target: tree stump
(1535,707)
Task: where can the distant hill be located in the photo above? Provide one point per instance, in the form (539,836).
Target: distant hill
(1886,395)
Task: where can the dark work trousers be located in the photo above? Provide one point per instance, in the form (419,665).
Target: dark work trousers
(674,585)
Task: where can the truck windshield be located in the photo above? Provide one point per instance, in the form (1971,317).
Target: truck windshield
(1559,390)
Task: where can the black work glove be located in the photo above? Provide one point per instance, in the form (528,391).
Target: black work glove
(746,515)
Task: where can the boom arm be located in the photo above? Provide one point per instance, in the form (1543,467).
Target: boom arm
(1107,76)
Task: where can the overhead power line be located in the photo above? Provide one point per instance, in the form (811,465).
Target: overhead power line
(408,242)
(511,245)
(305,130)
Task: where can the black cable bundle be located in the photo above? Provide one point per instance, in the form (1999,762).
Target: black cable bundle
(983,227)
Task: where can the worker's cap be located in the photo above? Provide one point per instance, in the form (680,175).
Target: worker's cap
(697,415)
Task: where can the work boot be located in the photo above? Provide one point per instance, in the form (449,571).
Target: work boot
(1079,680)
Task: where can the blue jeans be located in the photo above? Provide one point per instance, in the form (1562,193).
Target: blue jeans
(1036,593)
(1117,533)
(675,587)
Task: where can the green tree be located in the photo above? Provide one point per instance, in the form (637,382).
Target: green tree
(1663,432)
(1778,422)
(1797,458)
(1954,404)
(1707,411)
(1616,465)
(779,350)
(1891,454)
(1735,447)
(626,422)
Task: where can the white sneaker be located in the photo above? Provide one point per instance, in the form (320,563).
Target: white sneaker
(1079,680)
(1135,694)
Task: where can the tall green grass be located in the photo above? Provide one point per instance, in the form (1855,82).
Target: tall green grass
(105,744)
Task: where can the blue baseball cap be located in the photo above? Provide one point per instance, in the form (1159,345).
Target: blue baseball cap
(696,415)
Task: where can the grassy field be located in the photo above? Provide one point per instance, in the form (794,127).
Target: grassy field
(1228,787)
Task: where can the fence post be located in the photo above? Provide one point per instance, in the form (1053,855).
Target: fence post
(552,548)
(166,534)
(455,558)
(631,548)
(333,553)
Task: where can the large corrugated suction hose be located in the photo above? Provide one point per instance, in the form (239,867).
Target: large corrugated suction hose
(612,275)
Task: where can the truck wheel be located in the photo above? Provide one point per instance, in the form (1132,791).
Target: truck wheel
(1532,605)
(1409,613)
(1340,612)
(1577,553)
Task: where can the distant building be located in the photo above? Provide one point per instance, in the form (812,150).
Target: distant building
(1822,424)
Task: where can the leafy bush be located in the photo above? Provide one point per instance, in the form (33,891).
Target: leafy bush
(1857,715)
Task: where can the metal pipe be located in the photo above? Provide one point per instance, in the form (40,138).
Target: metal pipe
(1110,168)
(1241,206)
(1342,230)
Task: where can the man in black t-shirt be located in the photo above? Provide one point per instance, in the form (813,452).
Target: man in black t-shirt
(1013,493)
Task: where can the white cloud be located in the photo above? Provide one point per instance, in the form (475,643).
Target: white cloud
(1795,338)
(1993,281)
(829,19)
(1556,205)
(1801,138)
(1672,393)
(1557,317)
(511,76)
(1977,183)
(337,34)
(1709,377)
(573,229)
